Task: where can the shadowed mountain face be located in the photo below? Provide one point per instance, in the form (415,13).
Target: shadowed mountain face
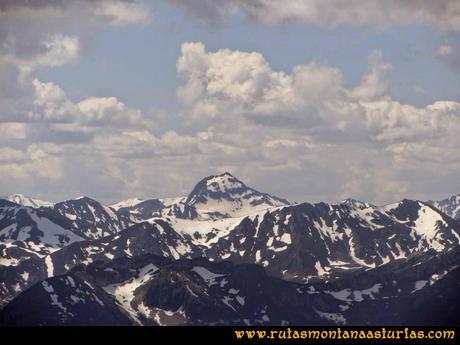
(89,218)
(450,206)
(339,262)
(27,201)
(42,230)
(214,197)
(224,196)
(151,290)
(306,241)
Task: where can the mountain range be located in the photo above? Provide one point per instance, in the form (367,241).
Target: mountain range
(228,254)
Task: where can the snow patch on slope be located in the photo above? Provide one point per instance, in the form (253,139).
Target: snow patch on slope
(208,276)
(23,200)
(126,203)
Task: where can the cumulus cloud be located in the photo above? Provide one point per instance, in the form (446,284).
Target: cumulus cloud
(46,32)
(372,85)
(232,85)
(39,160)
(107,111)
(12,131)
(229,83)
(50,103)
(8,154)
(318,138)
(33,34)
(43,132)
(307,118)
(115,12)
(121,13)
(58,50)
(47,102)
(442,14)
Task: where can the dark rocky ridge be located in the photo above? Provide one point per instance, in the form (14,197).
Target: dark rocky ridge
(301,243)
(152,290)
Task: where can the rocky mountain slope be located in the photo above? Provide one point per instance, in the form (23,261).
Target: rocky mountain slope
(152,290)
(450,206)
(222,219)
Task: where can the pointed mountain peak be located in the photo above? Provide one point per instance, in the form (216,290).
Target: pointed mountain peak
(225,195)
(24,200)
(355,203)
(224,174)
(80,199)
(220,186)
(223,183)
(126,203)
(450,206)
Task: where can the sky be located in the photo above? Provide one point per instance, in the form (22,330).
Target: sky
(305,99)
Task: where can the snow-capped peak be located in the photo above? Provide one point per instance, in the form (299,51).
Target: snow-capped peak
(215,186)
(450,206)
(226,196)
(126,203)
(355,203)
(172,201)
(223,183)
(23,200)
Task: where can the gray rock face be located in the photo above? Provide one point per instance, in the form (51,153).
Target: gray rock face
(152,290)
(450,206)
(306,241)
(144,210)
(228,187)
(89,218)
(65,300)
(41,229)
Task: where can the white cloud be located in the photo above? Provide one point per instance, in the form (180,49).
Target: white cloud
(8,154)
(113,12)
(50,103)
(276,122)
(121,13)
(49,32)
(44,161)
(47,102)
(51,50)
(59,50)
(372,85)
(35,162)
(229,83)
(32,34)
(233,85)
(442,14)
(108,111)
(43,133)
(317,138)
(12,131)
